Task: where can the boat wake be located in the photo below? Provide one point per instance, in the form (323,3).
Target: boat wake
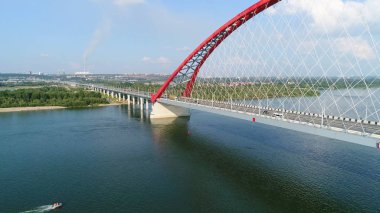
(40,209)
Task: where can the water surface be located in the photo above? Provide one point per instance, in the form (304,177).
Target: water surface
(112,160)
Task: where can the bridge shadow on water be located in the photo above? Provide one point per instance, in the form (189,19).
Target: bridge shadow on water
(228,166)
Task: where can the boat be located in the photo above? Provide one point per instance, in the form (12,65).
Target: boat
(56,205)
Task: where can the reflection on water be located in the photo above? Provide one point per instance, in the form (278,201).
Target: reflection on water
(243,164)
(113,160)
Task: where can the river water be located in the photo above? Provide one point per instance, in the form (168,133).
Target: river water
(112,160)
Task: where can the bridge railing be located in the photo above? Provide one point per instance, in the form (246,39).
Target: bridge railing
(362,127)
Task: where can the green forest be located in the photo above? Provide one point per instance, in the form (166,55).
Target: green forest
(50,96)
(245,92)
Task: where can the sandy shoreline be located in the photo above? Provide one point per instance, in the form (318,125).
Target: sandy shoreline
(28,109)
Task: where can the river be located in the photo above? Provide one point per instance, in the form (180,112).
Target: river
(113,160)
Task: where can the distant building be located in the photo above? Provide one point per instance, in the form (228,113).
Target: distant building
(82,73)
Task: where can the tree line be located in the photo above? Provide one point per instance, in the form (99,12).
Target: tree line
(50,96)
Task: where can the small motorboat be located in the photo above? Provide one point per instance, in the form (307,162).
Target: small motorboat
(56,205)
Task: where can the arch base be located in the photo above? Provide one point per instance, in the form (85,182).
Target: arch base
(160,110)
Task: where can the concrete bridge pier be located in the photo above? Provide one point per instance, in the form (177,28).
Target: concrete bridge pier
(160,110)
(119,97)
(147,105)
(133,101)
(141,104)
(128,99)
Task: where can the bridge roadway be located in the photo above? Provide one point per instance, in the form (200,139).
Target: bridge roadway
(314,119)
(359,132)
(356,131)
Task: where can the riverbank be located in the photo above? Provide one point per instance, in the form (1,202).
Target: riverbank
(26,109)
(44,108)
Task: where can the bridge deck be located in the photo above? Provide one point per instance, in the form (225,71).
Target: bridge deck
(338,128)
(295,116)
(315,119)
(355,131)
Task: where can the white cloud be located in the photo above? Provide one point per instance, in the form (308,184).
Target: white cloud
(163,60)
(184,49)
(146,59)
(160,60)
(44,55)
(125,3)
(271,11)
(356,47)
(331,15)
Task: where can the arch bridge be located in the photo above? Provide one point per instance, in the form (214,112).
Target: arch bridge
(290,64)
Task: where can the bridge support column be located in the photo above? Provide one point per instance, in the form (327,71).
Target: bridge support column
(147,105)
(160,110)
(133,100)
(119,97)
(123,98)
(129,99)
(141,104)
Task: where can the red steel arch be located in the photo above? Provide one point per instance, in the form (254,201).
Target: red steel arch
(188,71)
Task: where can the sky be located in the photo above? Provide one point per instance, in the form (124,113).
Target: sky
(152,36)
(115,36)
